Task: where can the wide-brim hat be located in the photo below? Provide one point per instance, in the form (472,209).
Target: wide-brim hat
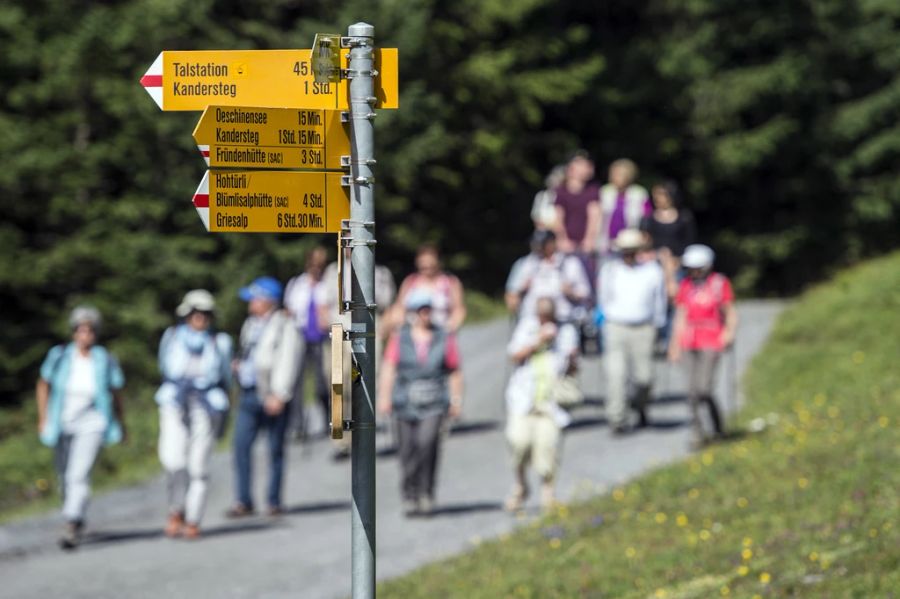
(196,300)
(418,300)
(629,239)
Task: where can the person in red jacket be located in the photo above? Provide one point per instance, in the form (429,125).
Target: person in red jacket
(705,325)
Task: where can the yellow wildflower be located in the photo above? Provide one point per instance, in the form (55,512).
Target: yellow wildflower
(765,578)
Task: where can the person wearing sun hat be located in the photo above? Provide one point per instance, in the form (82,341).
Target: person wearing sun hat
(195,363)
(633,300)
(80,408)
(420,385)
(704,327)
(266,371)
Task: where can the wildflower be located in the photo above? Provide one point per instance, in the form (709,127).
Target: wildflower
(819,399)
(660,593)
(746,554)
(618,494)
(814,556)
(725,591)
(681,520)
(748,542)
(704,535)
(859,357)
(802,482)
(661,518)
(694,493)
(630,552)
(873,532)
(742,502)
(743,570)
(42,484)
(765,578)
(707,458)
(555,543)
(883,421)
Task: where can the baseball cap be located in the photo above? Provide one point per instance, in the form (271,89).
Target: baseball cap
(267,288)
(629,239)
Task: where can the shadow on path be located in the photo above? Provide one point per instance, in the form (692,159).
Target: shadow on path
(461,509)
(473,426)
(124,536)
(317,508)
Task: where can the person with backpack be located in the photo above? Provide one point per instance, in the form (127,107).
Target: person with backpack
(705,325)
(420,385)
(547,272)
(80,408)
(448,309)
(544,352)
(266,371)
(195,363)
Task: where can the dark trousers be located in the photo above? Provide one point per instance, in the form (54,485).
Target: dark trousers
(251,418)
(418,444)
(310,361)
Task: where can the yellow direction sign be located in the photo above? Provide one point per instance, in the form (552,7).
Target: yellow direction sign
(192,80)
(272,202)
(242,137)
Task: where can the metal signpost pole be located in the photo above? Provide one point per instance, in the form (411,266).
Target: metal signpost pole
(362,332)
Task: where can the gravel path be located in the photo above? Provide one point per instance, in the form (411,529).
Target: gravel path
(307,552)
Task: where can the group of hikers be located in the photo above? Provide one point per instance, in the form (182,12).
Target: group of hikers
(602,258)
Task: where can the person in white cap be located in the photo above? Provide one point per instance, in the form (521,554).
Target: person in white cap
(705,325)
(79,409)
(633,300)
(195,363)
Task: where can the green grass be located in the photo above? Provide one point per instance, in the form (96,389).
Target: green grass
(809,507)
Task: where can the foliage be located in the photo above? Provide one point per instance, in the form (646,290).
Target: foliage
(781,119)
(807,508)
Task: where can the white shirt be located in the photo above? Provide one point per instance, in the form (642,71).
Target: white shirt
(81,391)
(633,295)
(300,292)
(539,278)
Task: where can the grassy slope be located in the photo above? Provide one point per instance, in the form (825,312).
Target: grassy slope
(27,480)
(809,507)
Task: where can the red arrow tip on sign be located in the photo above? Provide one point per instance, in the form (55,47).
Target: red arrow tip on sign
(201,200)
(153,80)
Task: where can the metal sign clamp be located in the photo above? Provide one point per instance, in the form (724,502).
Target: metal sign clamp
(348,306)
(347,162)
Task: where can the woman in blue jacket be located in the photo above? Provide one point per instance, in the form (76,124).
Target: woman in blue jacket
(79,410)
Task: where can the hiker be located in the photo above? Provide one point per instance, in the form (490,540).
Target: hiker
(543,208)
(705,325)
(80,408)
(578,212)
(623,203)
(306,300)
(543,351)
(633,301)
(266,372)
(547,272)
(448,309)
(195,363)
(671,228)
(420,385)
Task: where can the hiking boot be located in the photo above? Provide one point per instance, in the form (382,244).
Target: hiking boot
(426,505)
(516,499)
(548,497)
(174,524)
(643,422)
(192,532)
(71,536)
(274,511)
(239,510)
(410,507)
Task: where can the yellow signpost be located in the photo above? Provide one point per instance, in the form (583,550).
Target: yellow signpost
(272,202)
(194,79)
(272,138)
